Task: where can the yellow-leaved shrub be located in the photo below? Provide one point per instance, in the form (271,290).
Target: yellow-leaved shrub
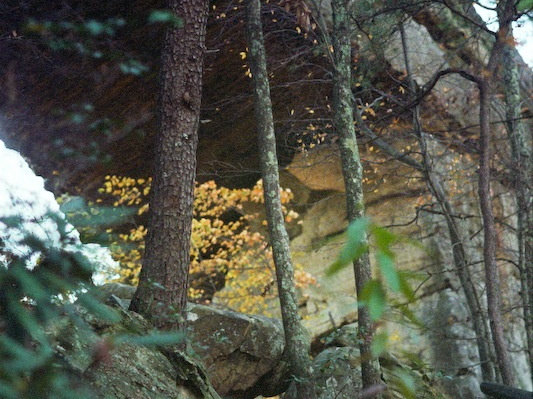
(230,263)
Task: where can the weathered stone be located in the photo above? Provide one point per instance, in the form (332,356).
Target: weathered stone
(337,373)
(138,372)
(238,351)
(122,291)
(454,355)
(112,369)
(242,354)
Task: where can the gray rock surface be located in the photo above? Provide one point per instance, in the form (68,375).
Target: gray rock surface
(242,354)
(89,348)
(453,352)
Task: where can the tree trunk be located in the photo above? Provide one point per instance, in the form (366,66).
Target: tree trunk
(506,11)
(436,189)
(296,340)
(492,278)
(352,171)
(162,292)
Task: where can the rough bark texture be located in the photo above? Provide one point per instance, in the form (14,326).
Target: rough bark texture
(296,340)
(163,283)
(436,189)
(492,278)
(352,171)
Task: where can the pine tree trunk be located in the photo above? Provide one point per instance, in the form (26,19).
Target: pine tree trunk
(296,340)
(352,171)
(163,283)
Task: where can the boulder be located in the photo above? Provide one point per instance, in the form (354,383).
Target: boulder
(242,354)
(88,347)
(337,372)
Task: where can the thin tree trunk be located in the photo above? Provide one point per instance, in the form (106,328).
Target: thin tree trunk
(162,292)
(352,171)
(296,340)
(436,188)
(492,278)
(520,145)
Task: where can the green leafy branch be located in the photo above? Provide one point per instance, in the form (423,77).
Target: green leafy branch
(375,295)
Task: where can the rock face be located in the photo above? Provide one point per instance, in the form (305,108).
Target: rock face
(337,374)
(125,370)
(79,117)
(447,344)
(242,354)
(453,353)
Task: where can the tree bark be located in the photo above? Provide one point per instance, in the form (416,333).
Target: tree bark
(506,11)
(296,339)
(352,171)
(162,292)
(436,189)
(492,278)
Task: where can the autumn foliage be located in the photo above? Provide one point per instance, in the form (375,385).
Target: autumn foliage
(231,262)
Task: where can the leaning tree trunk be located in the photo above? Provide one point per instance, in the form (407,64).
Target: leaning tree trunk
(352,171)
(434,184)
(163,283)
(296,341)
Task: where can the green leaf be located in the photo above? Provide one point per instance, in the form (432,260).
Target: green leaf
(357,230)
(133,67)
(96,28)
(409,314)
(98,309)
(386,264)
(405,287)
(154,339)
(81,215)
(379,343)
(384,239)
(30,285)
(375,298)
(525,5)
(354,247)
(8,392)
(74,204)
(165,16)
(406,384)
